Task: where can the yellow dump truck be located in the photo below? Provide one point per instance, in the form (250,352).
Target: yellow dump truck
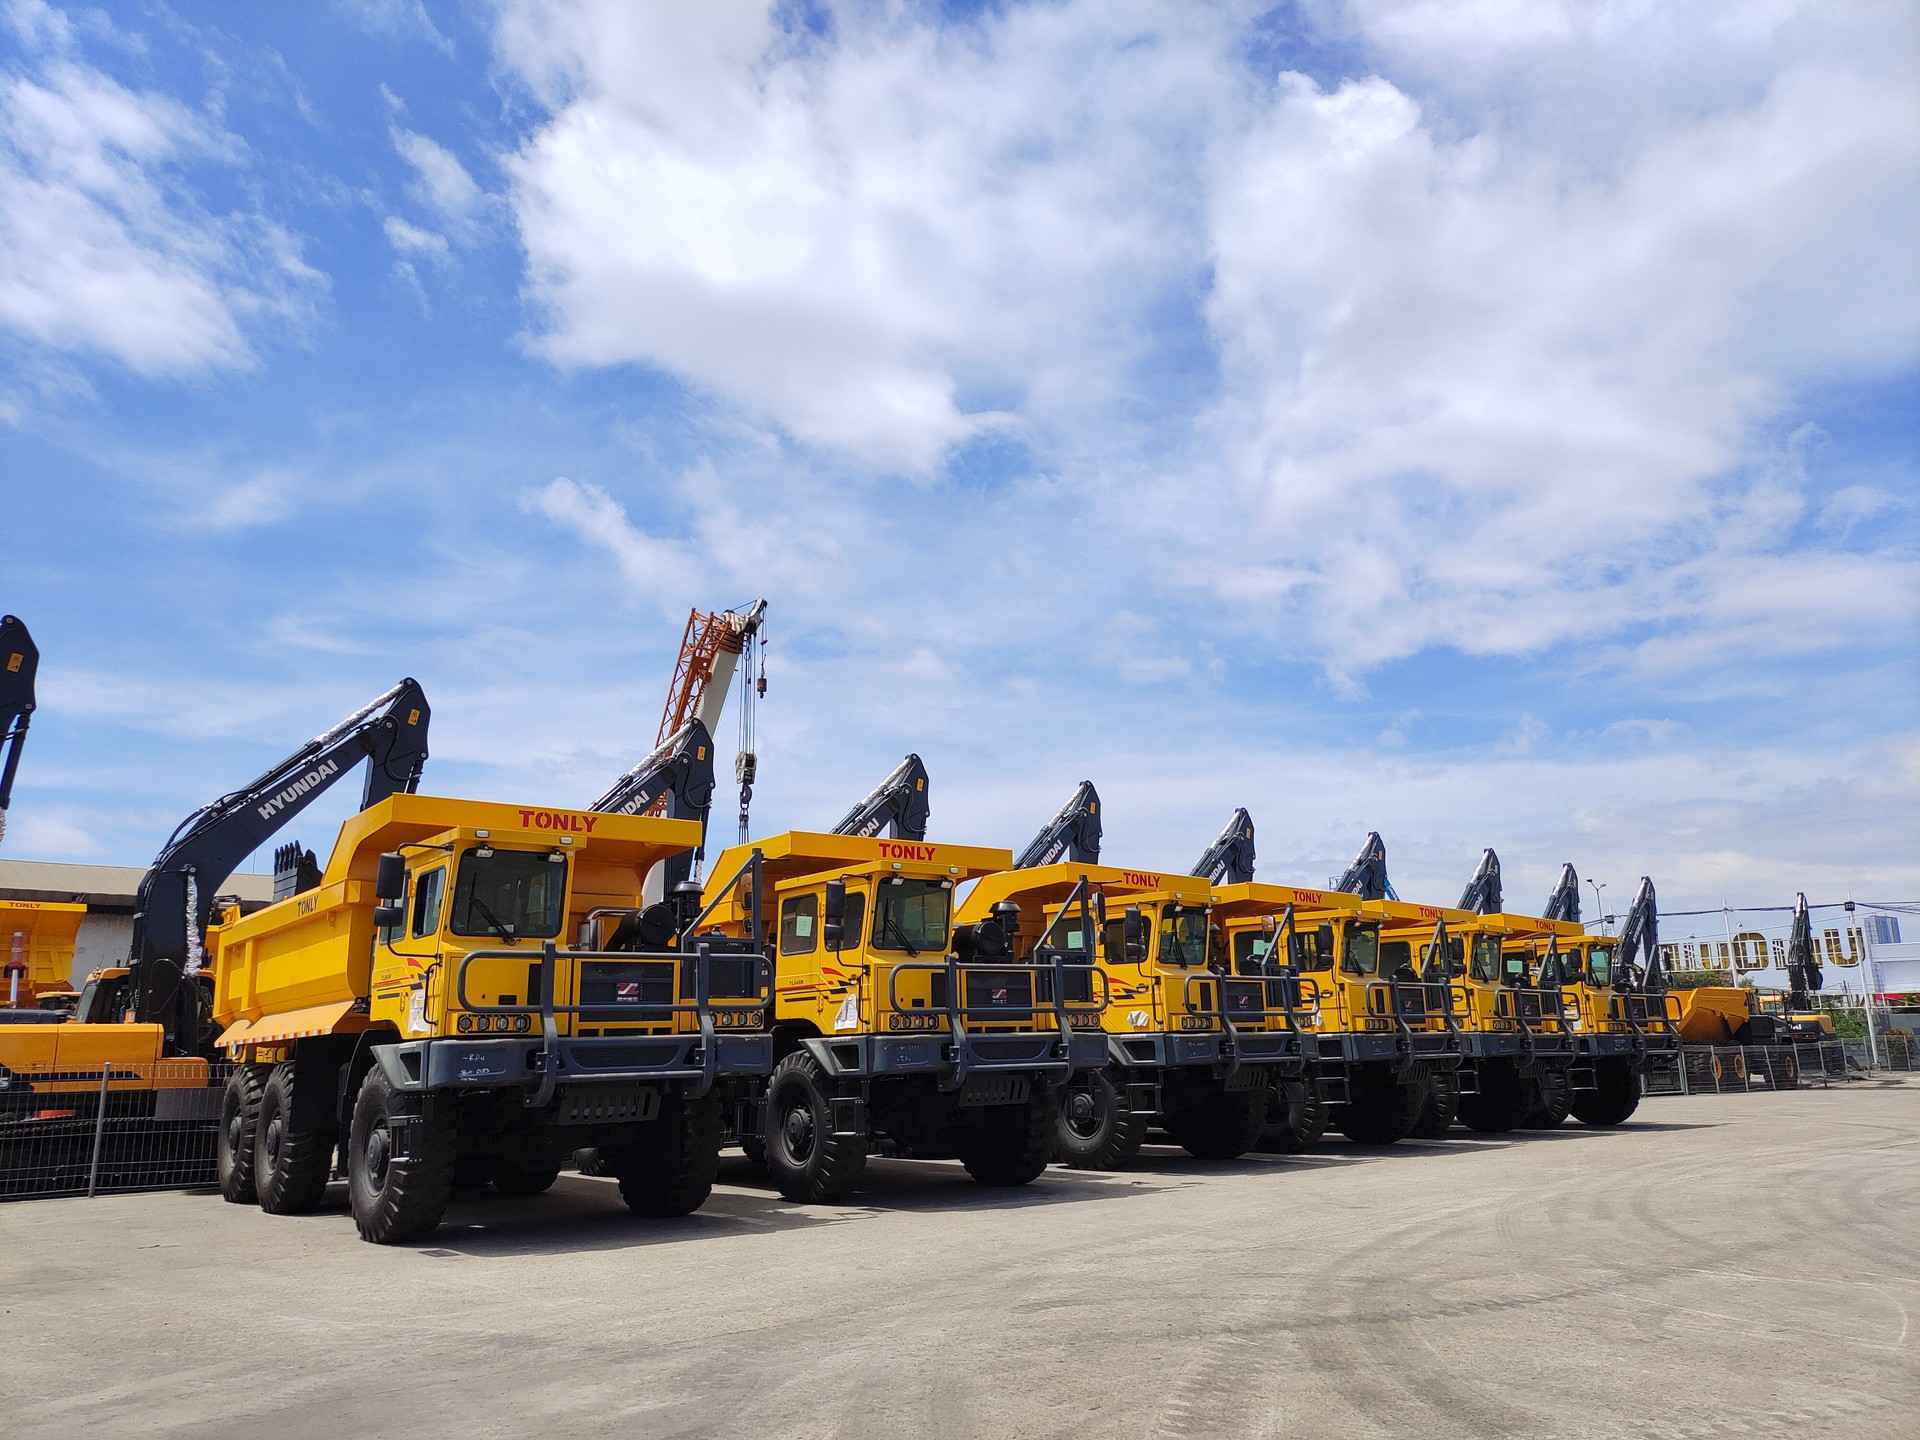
(1202,1054)
(1378,1036)
(892,1026)
(480,981)
(38,937)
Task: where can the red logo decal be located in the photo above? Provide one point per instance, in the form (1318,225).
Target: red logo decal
(627,990)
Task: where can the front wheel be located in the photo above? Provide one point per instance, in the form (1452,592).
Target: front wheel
(1013,1143)
(1380,1110)
(1097,1131)
(1442,1107)
(512,1178)
(397,1197)
(1224,1126)
(1298,1126)
(670,1171)
(239,1124)
(1555,1102)
(805,1159)
(1615,1096)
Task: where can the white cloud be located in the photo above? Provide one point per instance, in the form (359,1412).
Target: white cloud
(412,240)
(394,19)
(441,182)
(883,242)
(660,571)
(101,250)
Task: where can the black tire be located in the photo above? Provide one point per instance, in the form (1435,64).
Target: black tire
(1380,1110)
(239,1123)
(1223,1127)
(1436,1117)
(1553,1101)
(805,1159)
(587,1162)
(291,1163)
(754,1147)
(1615,1096)
(1297,1126)
(397,1199)
(1095,1130)
(473,1172)
(669,1171)
(1013,1143)
(1504,1100)
(510,1178)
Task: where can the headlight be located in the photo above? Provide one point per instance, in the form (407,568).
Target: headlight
(464,1024)
(1196,1022)
(916,1020)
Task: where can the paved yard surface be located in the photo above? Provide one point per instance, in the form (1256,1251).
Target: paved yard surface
(1737,1265)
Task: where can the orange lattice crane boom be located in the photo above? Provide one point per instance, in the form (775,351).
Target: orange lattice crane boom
(709,651)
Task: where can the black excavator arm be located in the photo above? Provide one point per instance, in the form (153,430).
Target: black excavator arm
(1482,895)
(1564,902)
(175,901)
(682,771)
(898,806)
(19,664)
(1367,875)
(1073,834)
(1640,936)
(1229,859)
(1804,975)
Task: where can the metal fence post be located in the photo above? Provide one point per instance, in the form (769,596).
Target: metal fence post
(99,1132)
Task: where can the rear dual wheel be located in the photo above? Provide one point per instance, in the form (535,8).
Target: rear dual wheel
(1442,1107)
(239,1124)
(292,1156)
(1297,1126)
(1555,1101)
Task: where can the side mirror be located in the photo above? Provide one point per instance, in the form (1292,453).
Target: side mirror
(1457,951)
(1133,928)
(389,917)
(834,910)
(390,883)
(1324,935)
(1099,907)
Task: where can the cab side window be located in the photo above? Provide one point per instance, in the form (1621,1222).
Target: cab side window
(856,919)
(799,930)
(428,891)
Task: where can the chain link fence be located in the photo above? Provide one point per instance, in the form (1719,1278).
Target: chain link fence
(151,1127)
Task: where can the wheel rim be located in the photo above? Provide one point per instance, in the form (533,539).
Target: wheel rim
(1083,1114)
(272,1144)
(236,1130)
(379,1152)
(797,1132)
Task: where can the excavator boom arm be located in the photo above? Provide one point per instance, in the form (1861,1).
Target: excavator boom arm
(390,734)
(1367,875)
(1073,834)
(19,664)
(898,805)
(1229,859)
(1482,895)
(1564,903)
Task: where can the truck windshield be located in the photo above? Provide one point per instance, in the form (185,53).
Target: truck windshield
(911,915)
(1363,950)
(1600,966)
(510,894)
(1183,936)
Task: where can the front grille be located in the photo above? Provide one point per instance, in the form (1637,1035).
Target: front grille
(990,990)
(1244,998)
(642,987)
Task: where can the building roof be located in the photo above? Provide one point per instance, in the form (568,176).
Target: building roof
(105,886)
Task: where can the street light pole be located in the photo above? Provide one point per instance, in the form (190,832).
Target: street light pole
(1599,906)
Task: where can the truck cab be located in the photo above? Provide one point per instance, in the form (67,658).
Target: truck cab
(1377,1032)
(897,1024)
(480,986)
(1186,1043)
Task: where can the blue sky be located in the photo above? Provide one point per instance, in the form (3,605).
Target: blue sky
(1492,425)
